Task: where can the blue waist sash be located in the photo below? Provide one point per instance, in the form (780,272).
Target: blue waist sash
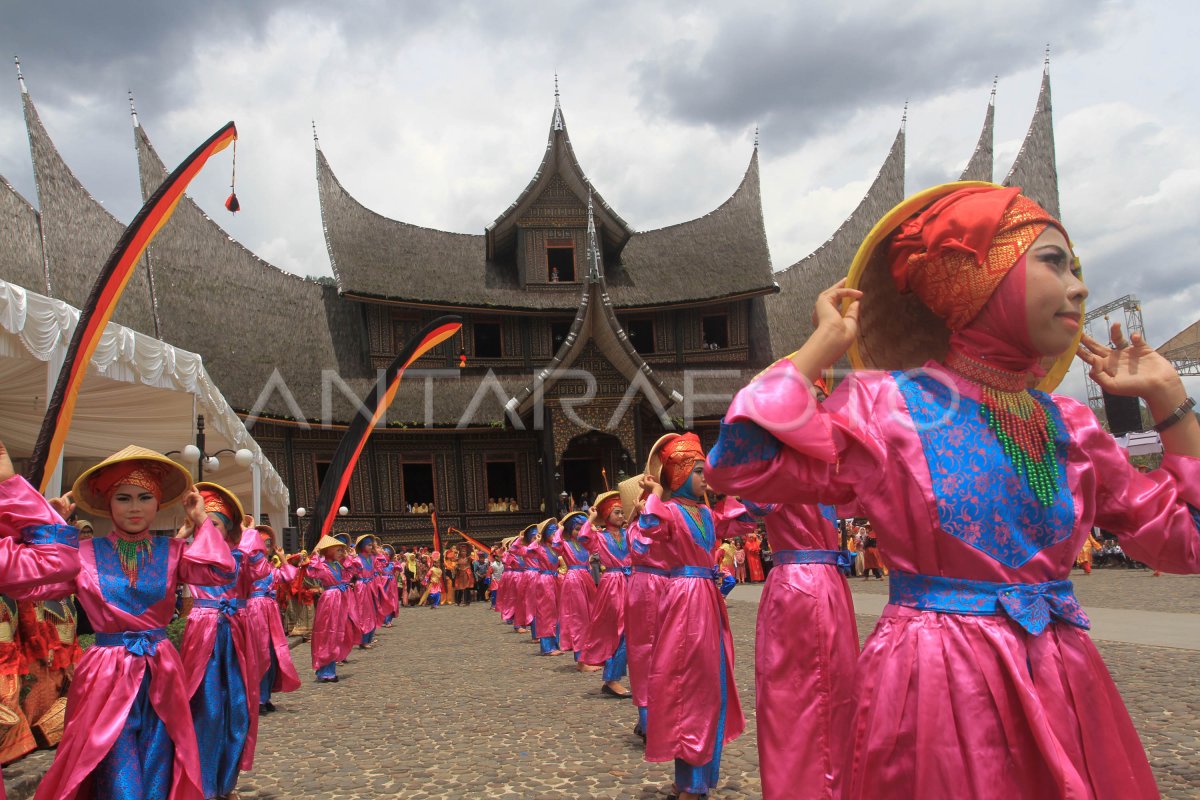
(622,570)
(577,566)
(837,558)
(1031,605)
(337,587)
(662,573)
(708,573)
(264,593)
(547,572)
(138,643)
(226,605)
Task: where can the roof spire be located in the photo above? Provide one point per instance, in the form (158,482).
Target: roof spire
(133,111)
(316,141)
(904,117)
(20,77)
(558,117)
(756,136)
(995,82)
(593,248)
(1046,61)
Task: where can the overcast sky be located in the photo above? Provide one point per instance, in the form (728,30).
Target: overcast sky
(437,113)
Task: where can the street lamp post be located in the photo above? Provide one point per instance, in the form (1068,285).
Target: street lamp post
(195,454)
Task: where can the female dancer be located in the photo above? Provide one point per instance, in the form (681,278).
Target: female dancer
(694,709)
(578,589)
(979,680)
(604,533)
(129,728)
(276,672)
(334,630)
(544,586)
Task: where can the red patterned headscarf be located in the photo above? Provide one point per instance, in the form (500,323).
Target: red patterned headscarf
(955,253)
(142,474)
(216,503)
(679,456)
(605,508)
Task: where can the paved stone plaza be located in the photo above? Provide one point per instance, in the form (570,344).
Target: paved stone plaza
(452,704)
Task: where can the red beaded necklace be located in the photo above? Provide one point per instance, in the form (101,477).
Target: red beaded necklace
(1021,425)
(132,550)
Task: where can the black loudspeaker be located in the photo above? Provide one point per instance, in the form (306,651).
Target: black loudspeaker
(1124,414)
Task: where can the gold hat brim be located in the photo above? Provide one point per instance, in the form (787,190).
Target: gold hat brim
(654,460)
(897,331)
(541,526)
(562,523)
(229,496)
(631,492)
(326,542)
(176,480)
(360,539)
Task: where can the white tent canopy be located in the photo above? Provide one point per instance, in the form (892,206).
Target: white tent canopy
(138,390)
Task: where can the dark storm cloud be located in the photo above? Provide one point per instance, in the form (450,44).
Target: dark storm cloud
(803,70)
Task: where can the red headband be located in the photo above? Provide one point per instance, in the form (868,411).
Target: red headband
(954,254)
(679,457)
(143,474)
(605,508)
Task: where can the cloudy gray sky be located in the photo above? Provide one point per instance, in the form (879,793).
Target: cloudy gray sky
(437,113)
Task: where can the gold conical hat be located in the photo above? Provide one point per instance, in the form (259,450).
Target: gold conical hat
(326,542)
(175,479)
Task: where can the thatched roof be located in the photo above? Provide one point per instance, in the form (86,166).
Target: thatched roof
(721,255)
(789,313)
(247,317)
(1186,339)
(979,168)
(79,233)
(1035,169)
(21,255)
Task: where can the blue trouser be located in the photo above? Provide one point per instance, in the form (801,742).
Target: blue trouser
(140,765)
(493,594)
(643,719)
(387,620)
(435,599)
(328,671)
(367,638)
(533,629)
(549,643)
(264,688)
(614,668)
(703,778)
(220,715)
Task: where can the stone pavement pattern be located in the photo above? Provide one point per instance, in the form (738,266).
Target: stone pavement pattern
(451,704)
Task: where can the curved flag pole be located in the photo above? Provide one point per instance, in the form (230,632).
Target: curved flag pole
(102,301)
(478,545)
(375,405)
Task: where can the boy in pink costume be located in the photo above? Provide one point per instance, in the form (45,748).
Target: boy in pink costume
(36,546)
(220,659)
(129,728)
(694,709)
(366,592)
(334,632)
(578,589)
(647,585)
(980,679)
(275,669)
(605,535)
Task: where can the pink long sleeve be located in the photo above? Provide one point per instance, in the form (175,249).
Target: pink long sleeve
(37,546)
(1155,515)
(207,561)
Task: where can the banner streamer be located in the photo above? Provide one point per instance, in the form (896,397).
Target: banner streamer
(478,545)
(375,405)
(102,302)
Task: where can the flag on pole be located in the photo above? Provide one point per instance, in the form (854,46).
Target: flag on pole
(437,540)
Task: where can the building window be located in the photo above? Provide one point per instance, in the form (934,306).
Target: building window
(418,487)
(322,471)
(560,263)
(558,334)
(403,329)
(502,485)
(488,341)
(716,332)
(641,334)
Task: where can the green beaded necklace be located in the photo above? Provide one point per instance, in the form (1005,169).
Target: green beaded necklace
(1021,425)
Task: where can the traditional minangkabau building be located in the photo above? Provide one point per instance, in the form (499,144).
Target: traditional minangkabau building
(583,340)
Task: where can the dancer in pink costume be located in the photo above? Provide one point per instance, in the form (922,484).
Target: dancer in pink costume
(694,708)
(36,546)
(129,729)
(605,534)
(578,589)
(544,585)
(277,673)
(334,630)
(647,585)
(980,679)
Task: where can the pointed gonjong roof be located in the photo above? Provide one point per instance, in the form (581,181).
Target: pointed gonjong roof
(789,313)
(979,167)
(1035,169)
(21,259)
(78,233)
(721,255)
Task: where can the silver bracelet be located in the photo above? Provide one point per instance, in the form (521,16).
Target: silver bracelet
(1179,413)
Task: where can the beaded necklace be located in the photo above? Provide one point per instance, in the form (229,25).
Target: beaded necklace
(1021,425)
(133,549)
